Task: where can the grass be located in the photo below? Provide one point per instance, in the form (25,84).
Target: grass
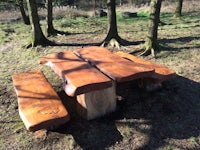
(164,119)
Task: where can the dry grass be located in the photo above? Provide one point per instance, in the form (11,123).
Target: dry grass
(9,15)
(188,6)
(164,119)
(167,6)
(66,12)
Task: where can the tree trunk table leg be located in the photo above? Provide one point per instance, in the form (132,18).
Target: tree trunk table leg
(97,103)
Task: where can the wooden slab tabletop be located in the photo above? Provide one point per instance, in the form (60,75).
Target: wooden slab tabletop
(114,66)
(79,76)
(92,53)
(161,72)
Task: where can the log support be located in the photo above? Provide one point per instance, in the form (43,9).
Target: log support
(97,103)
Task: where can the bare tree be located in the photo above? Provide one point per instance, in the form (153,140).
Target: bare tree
(95,4)
(112,36)
(151,43)
(50,27)
(178,11)
(23,13)
(38,37)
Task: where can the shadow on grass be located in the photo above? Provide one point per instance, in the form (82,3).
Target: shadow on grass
(129,43)
(78,44)
(76,33)
(52,43)
(124,43)
(182,41)
(172,113)
(95,134)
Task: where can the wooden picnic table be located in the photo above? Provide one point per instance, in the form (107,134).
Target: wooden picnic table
(95,92)
(91,74)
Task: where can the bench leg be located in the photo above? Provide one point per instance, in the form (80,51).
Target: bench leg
(96,103)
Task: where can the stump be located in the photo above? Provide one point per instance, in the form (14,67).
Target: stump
(100,13)
(129,14)
(97,103)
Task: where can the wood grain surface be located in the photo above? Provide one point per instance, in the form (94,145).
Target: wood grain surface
(116,67)
(39,105)
(79,76)
(161,72)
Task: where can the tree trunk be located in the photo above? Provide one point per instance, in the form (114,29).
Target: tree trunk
(151,44)
(112,36)
(178,11)
(23,13)
(38,37)
(50,28)
(95,4)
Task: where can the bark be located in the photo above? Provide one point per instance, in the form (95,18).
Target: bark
(50,28)
(120,2)
(95,4)
(38,37)
(178,11)
(151,44)
(23,13)
(131,2)
(112,36)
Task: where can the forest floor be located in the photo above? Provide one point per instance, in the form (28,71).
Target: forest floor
(168,118)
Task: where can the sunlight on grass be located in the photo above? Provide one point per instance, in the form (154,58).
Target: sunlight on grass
(143,13)
(180,46)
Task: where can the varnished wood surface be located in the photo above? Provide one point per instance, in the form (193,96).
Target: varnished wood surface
(39,105)
(116,67)
(79,76)
(92,53)
(161,72)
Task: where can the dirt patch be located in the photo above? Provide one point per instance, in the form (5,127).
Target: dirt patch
(168,118)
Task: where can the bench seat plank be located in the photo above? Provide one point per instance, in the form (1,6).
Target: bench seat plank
(161,72)
(116,67)
(39,105)
(79,76)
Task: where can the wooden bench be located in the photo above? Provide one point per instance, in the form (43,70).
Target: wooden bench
(161,73)
(94,91)
(114,66)
(39,105)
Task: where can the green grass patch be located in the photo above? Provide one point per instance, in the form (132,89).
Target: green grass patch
(143,13)
(168,118)
(142,16)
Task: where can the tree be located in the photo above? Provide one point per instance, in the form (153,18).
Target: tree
(23,13)
(178,11)
(95,4)
(151,43)
(38,37)
(50,28)
(112,36)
